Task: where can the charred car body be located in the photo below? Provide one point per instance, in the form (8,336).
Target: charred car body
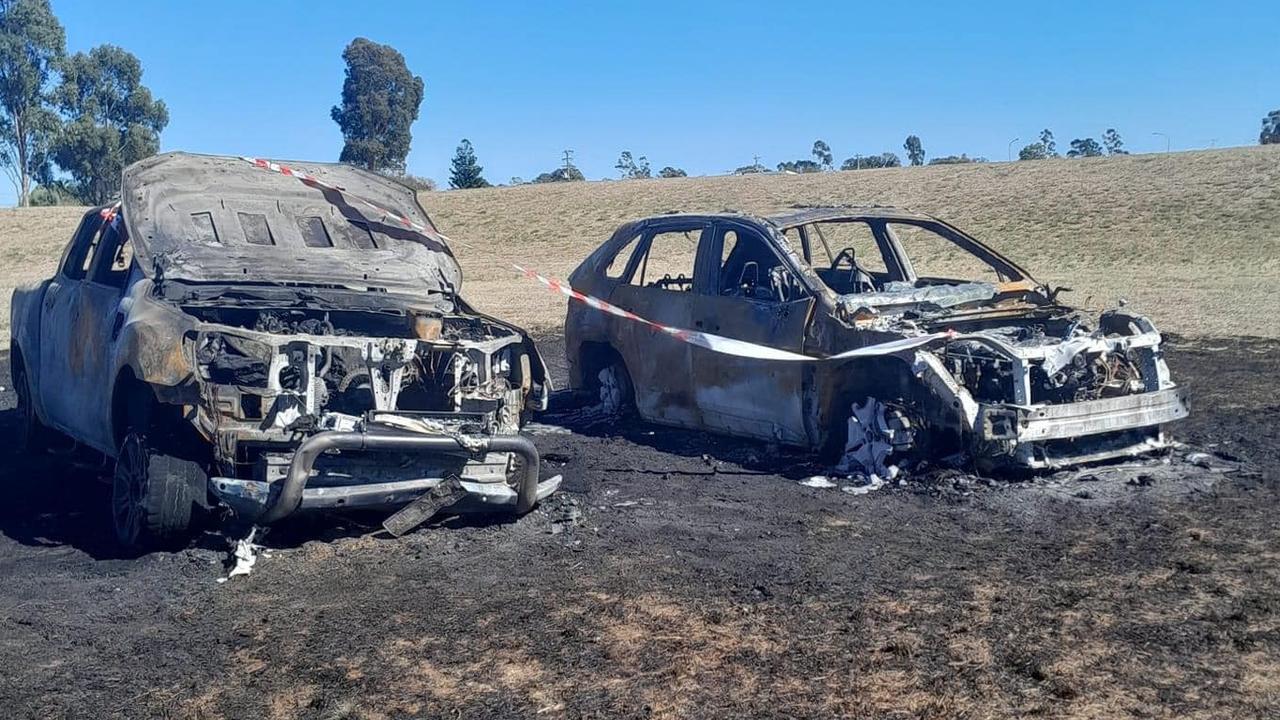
(236,337)
(978,358)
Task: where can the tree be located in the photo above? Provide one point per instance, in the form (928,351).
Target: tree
(630,168)
(466,172)
(32,42)
(865,162)
(416,182)
(915,151)
(1115,146)
(749,169)
(671,172)
(1034,151)
(55,192)
(1085,147)
(822,152)
(568,173)
(626,166)
(960,159)
(1046,140)
(1270,129)
(799,166)
(380,101)
(111,121)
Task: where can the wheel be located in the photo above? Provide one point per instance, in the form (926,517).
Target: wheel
(616,393)
(873,432)
(33,436)
(152,495)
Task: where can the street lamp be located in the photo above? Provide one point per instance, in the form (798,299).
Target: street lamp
(1166,141)
(1011,142)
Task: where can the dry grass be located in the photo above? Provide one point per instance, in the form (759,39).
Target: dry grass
(31,241)
(1192,238)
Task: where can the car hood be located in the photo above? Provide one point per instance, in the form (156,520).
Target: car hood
(206,218)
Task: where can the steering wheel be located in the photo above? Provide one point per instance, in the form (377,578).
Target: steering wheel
(859,279)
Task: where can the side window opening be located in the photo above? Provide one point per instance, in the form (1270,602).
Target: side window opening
(617,267)
(256,229)
(314,233)
(114,256)
(750,269)
(668,260)
(75,260)
(935,258)
(90,253)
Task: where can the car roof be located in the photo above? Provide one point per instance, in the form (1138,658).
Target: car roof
(801,215)
(805,215)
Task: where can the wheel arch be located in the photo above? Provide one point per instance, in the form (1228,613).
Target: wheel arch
(891,379)
(130,404)
(592,357)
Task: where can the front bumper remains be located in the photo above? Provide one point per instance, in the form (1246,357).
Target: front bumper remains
(1047,436)
(262,503)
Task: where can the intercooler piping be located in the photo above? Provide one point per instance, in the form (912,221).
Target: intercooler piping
(313,447)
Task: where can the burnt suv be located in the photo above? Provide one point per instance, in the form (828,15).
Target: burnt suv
(236,337)
(873,334)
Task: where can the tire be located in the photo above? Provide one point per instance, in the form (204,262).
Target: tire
(33,435)
(152,496)
(616,394)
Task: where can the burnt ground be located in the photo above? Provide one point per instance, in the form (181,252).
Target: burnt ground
(683,575)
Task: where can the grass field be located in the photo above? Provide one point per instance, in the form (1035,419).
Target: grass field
(1191,238)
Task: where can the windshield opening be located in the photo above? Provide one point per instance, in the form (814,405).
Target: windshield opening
(859,257)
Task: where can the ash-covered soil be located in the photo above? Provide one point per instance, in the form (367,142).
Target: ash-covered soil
(682,575)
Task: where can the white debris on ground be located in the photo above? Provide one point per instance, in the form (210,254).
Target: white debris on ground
(537,428)
(853,484)
(874,482)
(245,555)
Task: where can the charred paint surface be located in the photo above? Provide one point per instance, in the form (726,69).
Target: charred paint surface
(1015,360)
(259,311)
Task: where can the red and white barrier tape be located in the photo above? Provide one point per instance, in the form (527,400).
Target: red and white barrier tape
(715,343)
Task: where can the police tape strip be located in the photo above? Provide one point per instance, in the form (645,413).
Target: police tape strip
(729,346)
(714,343)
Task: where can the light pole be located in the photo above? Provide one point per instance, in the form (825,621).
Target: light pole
(1011,142)
(1166,141)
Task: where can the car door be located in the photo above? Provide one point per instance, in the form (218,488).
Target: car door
(658,285)
(61,347)
(751,293)
(100,318)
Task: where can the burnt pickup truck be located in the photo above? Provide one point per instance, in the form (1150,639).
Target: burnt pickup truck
(923,343)
(236,338)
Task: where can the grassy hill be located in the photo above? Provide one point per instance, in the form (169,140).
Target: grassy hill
(1191,238)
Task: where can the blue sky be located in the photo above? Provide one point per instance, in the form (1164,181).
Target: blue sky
(703,86)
